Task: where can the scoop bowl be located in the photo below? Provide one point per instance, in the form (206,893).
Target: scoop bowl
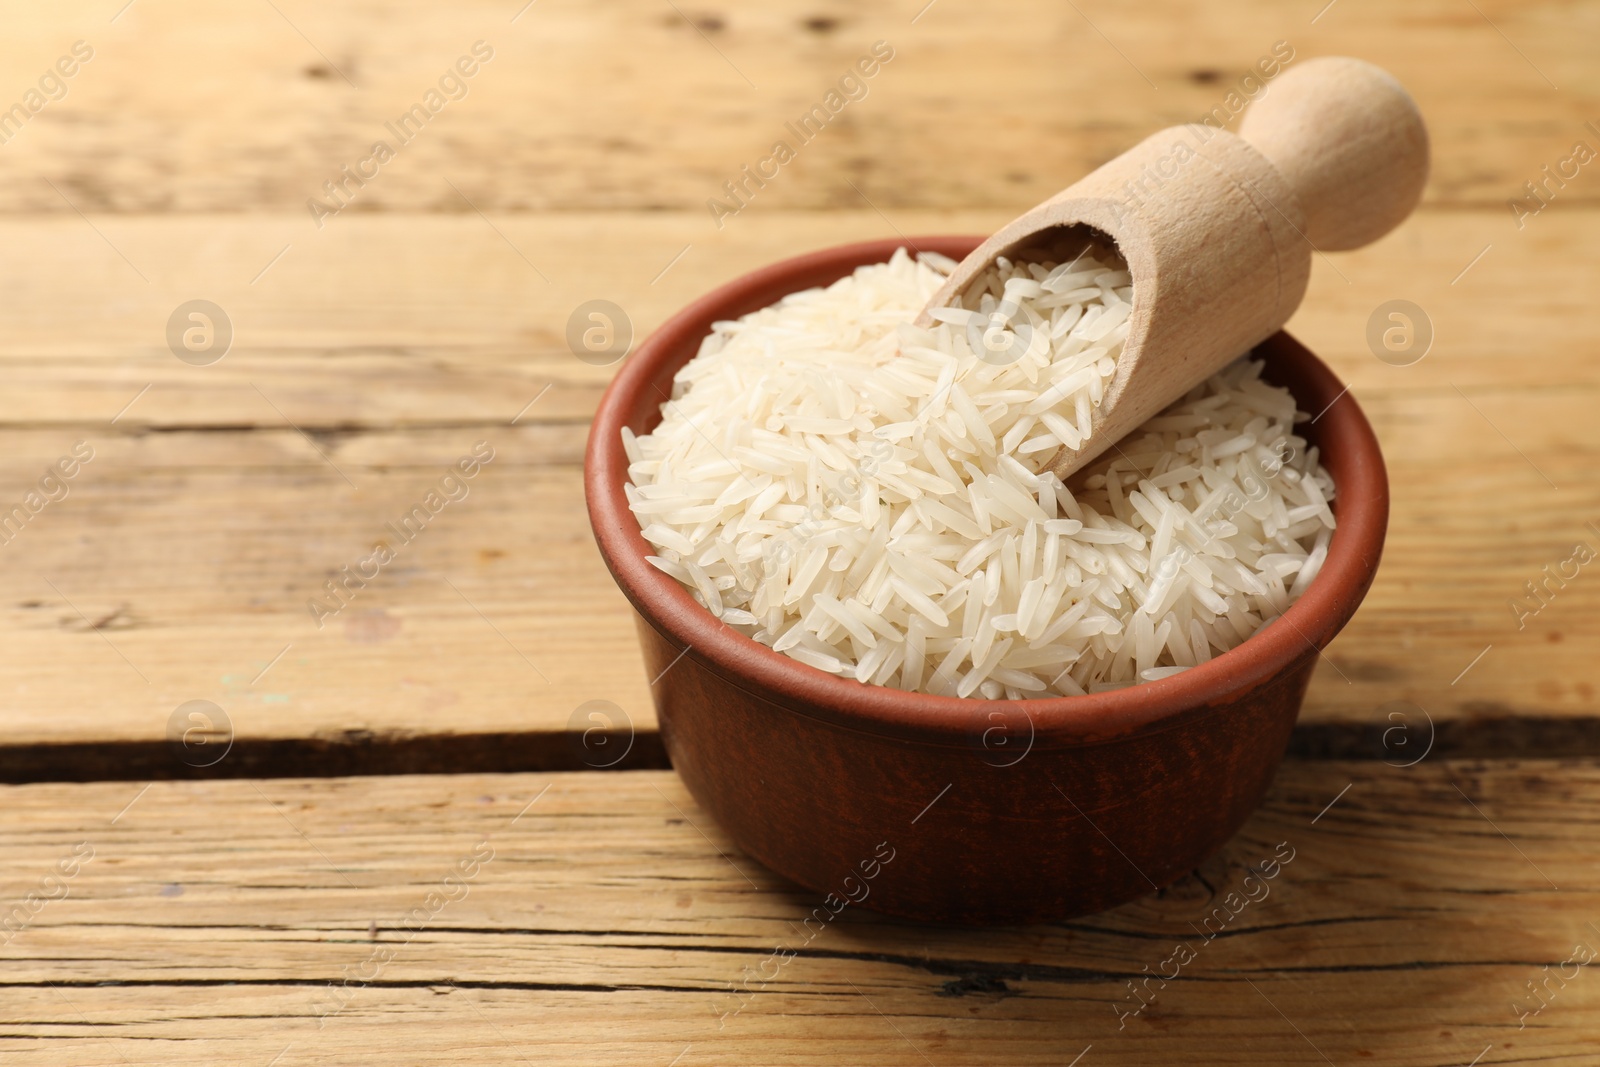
(969,811)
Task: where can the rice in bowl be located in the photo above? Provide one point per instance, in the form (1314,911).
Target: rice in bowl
(874,500)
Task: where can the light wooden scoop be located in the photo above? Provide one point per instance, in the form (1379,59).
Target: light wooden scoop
(1218,229)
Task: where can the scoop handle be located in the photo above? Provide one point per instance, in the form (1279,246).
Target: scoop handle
(1350,142)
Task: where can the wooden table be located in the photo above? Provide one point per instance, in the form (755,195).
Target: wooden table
(289,903)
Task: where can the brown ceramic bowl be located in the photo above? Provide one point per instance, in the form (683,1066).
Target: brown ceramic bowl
(970,811)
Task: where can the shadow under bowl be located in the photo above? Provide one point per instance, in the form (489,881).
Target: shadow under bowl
(966,810)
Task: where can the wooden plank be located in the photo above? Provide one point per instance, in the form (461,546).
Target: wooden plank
(159,580)
(426,319)
(198,554)
(190,107)
(606,919)
(206,521)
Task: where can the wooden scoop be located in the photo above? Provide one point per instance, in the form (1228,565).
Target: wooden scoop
(1218,229)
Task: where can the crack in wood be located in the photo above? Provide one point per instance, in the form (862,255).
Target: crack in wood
(363,753)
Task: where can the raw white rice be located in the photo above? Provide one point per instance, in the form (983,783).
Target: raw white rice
(867,497)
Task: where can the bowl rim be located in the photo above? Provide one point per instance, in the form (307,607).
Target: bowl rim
(1361,504)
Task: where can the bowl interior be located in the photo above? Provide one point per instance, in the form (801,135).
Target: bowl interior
(1347,448)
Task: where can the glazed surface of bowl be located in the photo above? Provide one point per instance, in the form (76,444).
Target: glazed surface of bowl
(965,810)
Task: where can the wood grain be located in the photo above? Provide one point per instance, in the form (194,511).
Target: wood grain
(192,108)
(606,919)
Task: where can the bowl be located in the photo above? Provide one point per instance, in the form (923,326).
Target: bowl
(970,811)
